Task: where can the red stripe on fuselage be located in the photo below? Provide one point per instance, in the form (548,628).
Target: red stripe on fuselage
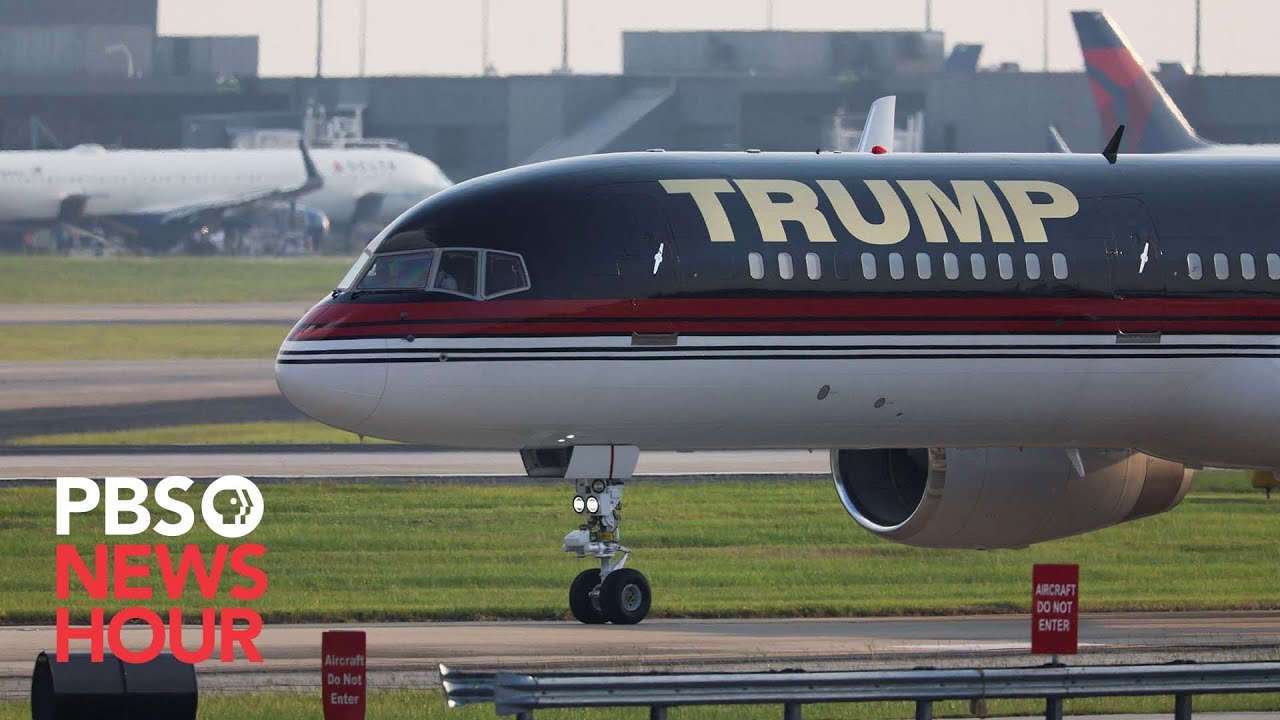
(880,315)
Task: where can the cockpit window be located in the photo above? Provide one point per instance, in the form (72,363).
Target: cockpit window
(504,273)
(355,271)
(474,273)
(398,271)
(459,272)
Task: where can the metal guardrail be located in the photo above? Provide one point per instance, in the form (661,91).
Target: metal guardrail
(522,694)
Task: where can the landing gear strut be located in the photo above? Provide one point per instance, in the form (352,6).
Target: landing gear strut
(613,593)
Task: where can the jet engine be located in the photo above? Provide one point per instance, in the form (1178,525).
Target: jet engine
(989,498)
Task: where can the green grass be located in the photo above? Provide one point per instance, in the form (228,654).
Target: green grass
(430,705)
(122,341)
(249,433)
(166,280)
(752,549)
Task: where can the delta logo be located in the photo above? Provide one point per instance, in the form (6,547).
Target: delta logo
(224,576)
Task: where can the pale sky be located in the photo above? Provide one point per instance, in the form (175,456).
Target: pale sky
(442,37)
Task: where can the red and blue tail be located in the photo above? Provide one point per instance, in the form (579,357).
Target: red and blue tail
(1127,94)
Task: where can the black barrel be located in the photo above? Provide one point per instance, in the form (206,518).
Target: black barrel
(162,689)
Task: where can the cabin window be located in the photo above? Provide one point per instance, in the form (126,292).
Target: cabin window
(840,265)
(924,266)
(1060,266)
(1033,266)
(951,266)
(869,266)
(1273,266)
(458,272)
(1221,268)
(755,265)
(785,267)
(1005,262)
(1248,270)
(813,266)
(504,273)
(398,271)
(1195,268)
(978,265)
(897,270)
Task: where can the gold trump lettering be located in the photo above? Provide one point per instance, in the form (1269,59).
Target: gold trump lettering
(1030,214)
(896,223)
(704,193)
(970,206)
(974,202)
(801,206)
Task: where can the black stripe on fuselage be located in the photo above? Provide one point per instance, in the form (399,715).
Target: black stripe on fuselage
(408,324)
(1145,353)
(1262,347)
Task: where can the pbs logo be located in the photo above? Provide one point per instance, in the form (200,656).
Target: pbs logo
(245,503)
(231,506)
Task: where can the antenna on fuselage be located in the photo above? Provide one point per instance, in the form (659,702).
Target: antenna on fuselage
(1113,145)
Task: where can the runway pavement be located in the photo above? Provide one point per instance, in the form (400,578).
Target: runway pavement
(406,654)
(37,398)
(71,313)
(88,383)
(386,462)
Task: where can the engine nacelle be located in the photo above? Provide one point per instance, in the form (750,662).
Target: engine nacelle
(989,498)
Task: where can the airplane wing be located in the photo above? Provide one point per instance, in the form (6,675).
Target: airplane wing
(312,182)
(878,132)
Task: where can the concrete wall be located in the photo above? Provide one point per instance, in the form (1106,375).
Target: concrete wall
(79,12)
(195,55)
(786,53)
(1232,108)
(74,50)
(1008,112)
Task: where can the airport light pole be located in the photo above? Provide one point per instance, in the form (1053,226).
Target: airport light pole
(364,32)
(768,14)
(1199,69)
(928,15)
(486,66)
(319,35)
(564,36)
(1045,36)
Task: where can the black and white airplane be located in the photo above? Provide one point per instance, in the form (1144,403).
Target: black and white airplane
(999,349)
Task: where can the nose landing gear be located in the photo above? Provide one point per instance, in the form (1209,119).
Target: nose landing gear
(613,593)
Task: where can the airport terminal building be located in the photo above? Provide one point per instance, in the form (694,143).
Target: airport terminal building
(79,71)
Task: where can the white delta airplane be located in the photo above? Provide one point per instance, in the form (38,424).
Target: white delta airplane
(155,194)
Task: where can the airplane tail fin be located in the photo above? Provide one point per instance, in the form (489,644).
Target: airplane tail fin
(878,132)
(1126,93)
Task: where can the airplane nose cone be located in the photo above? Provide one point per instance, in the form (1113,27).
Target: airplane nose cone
(342,395)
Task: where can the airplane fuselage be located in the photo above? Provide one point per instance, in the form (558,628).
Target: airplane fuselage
(35,184)
(699,301)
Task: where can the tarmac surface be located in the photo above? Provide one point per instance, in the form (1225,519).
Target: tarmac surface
(77,313)
(87,383)
(407,654)
(38,398)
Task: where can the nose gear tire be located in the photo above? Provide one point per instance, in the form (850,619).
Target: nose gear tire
(581,604)
(625,596)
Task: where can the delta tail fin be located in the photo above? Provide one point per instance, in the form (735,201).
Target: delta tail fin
(1127,94)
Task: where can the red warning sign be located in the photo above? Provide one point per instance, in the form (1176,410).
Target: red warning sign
(342,665)
(1055,609)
